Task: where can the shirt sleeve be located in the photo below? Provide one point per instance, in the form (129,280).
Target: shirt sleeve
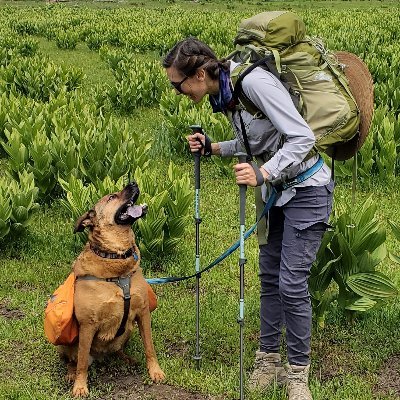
(230,147)
(271,97)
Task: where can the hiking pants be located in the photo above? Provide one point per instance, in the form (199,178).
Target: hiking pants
(294,237)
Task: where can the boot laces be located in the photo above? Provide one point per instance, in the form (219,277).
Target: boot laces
(297,378)
(265,364)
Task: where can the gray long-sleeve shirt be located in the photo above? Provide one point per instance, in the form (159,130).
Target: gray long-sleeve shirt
(282,134)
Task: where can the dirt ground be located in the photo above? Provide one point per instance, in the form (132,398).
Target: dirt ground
(389,377)
(128,385)
(8,313)
(131,387)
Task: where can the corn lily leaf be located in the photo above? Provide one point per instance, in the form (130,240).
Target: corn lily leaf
(365,213)
(326,239)
(347,227)
(4,228)
(373,285)
(361,304)
(394,258)
(395,229)
(170,244)
(367,261)
(348,262)
(321,309)
(369,239)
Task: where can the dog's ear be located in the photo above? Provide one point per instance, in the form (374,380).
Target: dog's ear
(84,221)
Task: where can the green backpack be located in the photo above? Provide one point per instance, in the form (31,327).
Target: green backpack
(277,42)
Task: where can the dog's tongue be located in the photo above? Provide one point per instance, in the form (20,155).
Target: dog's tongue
(135,211)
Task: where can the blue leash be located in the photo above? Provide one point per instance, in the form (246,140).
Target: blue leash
(270,202)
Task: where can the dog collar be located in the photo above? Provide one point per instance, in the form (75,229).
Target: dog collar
(130,252)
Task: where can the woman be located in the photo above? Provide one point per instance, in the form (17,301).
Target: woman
(280,140)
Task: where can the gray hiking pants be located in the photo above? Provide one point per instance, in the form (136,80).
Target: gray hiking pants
(295,234)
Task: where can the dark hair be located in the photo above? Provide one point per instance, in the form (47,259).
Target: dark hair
(190,54)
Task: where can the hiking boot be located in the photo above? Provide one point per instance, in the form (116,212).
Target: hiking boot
(268,369)
(297,379)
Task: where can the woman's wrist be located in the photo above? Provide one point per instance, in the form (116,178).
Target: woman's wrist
(215,149)
(265,174)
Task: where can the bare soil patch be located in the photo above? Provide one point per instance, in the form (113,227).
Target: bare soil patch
(389,377)
(128,386)
(333,360)
(8,313)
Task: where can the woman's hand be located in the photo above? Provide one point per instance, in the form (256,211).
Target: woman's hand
(196,142)
(245,174)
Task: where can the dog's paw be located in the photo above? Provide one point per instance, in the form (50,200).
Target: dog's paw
(156,374)
(71,373)
(128,359)
(70,376)
(80,390)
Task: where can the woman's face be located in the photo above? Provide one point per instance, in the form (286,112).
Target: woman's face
(195,87)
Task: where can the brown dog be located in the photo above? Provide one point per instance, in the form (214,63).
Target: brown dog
(108,263)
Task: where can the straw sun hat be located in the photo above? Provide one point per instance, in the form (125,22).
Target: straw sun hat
(361,86)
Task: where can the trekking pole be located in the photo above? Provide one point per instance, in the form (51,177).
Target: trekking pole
(197,219)
(242,262)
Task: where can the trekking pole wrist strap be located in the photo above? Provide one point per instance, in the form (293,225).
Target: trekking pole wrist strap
(259,176)
(207,146)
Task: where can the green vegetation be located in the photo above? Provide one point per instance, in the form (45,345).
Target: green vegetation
(347,355)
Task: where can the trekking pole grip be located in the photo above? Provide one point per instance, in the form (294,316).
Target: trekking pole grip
(197,155)
(242,190)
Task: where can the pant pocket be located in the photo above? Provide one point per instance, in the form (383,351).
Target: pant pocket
(311,237)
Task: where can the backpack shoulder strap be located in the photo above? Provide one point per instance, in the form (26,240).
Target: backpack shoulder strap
(242,70)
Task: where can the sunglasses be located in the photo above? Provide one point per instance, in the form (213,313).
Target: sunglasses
(178,85)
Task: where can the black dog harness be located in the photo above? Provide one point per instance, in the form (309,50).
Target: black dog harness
(124,282)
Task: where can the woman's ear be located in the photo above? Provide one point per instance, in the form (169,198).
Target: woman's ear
(84,221)
(201,74)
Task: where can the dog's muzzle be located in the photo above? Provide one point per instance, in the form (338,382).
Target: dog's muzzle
(128,213)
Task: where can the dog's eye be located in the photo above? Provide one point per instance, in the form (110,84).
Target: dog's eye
(112,197)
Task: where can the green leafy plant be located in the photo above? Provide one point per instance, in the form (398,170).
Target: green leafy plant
(38,78)
(67,40)
(396,231)
(168,214)
(17,203)
(137,84)
(94,41)
(348,257)
(65,137)
(168,203)
(179,113)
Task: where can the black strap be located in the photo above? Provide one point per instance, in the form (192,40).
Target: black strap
(333,163)
(113,256)
(268,64)
(259,175)
(264,62)
(249,157)
(207,146)
(125,284)
(236,93)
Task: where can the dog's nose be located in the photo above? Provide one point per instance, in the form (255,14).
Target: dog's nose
(131,185)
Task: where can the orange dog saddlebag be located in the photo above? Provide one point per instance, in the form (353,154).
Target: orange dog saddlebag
(60,324)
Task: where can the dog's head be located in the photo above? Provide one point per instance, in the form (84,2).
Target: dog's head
(113,210)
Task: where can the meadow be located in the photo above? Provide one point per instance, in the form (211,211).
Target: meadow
(84,107)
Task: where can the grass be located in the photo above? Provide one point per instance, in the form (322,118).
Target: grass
(217,5)
(346,358)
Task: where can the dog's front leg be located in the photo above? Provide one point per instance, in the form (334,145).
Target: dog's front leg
(155,372)
(86,334)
